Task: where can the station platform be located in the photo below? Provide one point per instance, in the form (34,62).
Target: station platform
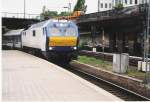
(29,78)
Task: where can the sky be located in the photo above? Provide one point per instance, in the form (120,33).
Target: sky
(35,6)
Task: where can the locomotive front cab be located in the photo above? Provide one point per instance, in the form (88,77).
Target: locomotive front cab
(63,37)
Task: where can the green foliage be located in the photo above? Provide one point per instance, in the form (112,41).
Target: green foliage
(65,14)
(38,17)
(132,71)
(95,62)
(135,73)
(82,46)
(80,6)
(119,6)
(49,14)
(46,14)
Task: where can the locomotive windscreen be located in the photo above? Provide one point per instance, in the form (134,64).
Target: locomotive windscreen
(70,32)
(63,29)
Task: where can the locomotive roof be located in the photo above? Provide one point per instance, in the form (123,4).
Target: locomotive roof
(44,23)
(14,32)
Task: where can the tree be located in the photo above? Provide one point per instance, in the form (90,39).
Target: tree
(80,6)
(46,14)
(65,14)
(119,6)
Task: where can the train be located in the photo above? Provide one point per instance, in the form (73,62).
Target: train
(12,39)
(54,39)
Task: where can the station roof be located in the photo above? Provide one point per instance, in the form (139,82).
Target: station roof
(14,32)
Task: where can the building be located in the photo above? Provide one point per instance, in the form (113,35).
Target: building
(144,1)
(127,3)
(98,5)
(104,5)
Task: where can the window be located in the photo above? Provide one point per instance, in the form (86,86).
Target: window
(136,2)
(55,31)
(43,31)
(101,5)
(130,1)
(34,33)
(126,2)
(105,5)
(109,5)
(23,33)
(70,32)
(118,1)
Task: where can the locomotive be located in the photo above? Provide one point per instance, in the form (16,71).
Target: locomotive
(54,39)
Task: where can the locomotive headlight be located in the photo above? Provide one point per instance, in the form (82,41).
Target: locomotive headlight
(75,48)
(50,48)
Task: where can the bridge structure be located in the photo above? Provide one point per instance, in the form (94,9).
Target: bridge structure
(119,31)
(17,20)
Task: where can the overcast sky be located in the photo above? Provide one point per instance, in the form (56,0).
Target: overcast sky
(35,6)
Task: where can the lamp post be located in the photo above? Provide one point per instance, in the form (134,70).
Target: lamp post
(66,7)
(69,8)
(146,42)
(24,8)
(69,5)
(98,6)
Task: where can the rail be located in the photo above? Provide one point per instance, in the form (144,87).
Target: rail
(118,90)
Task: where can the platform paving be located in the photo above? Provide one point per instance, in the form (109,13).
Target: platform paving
(29,78)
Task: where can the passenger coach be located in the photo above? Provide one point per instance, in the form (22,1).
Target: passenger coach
(12,39)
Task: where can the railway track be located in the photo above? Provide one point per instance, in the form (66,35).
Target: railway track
(116,90)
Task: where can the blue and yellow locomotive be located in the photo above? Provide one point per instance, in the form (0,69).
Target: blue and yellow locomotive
(55,39)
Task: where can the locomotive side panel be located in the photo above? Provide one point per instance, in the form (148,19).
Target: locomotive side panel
(34,38)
